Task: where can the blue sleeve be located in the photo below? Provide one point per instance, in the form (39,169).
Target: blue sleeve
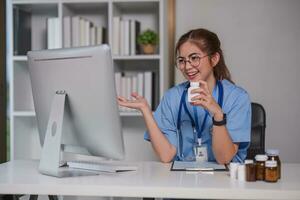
(165,120)
(239,124)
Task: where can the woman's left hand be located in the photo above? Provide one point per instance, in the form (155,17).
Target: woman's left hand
(205,99)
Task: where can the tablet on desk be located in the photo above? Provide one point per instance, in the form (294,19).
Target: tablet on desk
(197,166)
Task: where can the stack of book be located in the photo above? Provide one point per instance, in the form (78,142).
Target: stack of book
(142,83)
(77,31)
(125,33)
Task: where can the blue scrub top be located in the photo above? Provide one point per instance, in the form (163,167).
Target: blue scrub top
(236,105)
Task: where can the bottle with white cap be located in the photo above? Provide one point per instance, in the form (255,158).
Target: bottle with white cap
(250,170)
(193,85)
(233,169)
(260,166)
(271,172)
(273,154)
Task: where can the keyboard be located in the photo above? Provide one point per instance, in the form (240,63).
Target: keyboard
(101,167)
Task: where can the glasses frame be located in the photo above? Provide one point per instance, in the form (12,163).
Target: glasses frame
(189,61)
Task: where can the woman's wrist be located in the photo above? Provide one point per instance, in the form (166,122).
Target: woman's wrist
(146,110)
(218,115)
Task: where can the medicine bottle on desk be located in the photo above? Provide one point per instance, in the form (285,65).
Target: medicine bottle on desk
(250,171)
(271,172)
(241,172)
(260,166)
(273,154)
(193,85)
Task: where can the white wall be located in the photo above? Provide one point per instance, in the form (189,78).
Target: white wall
(261,42)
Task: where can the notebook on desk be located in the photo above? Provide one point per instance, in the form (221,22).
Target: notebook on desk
(197,166)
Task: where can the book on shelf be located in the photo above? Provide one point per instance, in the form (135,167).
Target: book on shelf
(75,31)
(148,87)
(140,83)
(22,31)
(116,35)
(126,38)
(125,33)
(53,36)
(50,33)
(155,90)
(122,37)
(134,84)
(118,76)
(93,35)
(84,33)
(67,39)
(100,35)
(135,28)
(87,26)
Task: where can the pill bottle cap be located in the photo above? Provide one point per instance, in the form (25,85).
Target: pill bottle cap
(272,152)
(271,163)
(261,157)
(248,161)
(194,84)
(233,165)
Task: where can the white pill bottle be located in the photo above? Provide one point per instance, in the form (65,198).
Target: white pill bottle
(193,85)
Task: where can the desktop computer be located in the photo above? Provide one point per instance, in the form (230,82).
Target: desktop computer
(75,102)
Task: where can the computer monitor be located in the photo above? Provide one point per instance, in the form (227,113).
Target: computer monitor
(75,103)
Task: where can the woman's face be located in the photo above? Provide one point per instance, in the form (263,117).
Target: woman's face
(194,64)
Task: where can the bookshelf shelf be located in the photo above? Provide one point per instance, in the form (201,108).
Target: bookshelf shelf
(28,20)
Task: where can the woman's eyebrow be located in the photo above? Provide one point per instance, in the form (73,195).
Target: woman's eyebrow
(195,53)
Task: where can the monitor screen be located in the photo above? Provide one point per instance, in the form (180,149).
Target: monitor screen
(87,116)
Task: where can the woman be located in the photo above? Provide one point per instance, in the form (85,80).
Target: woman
(218,120)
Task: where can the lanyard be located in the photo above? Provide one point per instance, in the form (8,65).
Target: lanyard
(183,103)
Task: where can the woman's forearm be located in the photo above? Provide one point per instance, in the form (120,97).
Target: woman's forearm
(223,147)
(163,148)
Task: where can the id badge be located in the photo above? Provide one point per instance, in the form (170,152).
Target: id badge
(201,152)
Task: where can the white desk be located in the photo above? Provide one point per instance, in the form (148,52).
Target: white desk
(153,179)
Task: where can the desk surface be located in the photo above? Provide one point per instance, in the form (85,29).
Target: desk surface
(152,179)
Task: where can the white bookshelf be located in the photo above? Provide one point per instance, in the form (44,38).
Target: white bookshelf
(150,13)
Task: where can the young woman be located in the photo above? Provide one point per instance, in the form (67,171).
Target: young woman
(218,121)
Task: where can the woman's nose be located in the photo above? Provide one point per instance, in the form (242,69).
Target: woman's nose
(188,65)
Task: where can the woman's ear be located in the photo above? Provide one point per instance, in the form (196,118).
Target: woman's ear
(215,59)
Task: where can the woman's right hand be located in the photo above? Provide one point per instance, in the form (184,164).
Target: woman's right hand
(138,102)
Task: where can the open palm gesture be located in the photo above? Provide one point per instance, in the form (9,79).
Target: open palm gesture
(138,102)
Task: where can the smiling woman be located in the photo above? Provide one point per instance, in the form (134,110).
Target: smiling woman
(3,133)
(215,126)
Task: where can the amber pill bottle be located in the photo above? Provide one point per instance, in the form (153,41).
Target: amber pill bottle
(250,171)
(260,166)
(271,172)
(273,154)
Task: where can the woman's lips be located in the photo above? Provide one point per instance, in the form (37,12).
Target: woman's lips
(191,75)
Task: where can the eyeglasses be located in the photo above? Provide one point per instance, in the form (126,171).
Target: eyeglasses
(193,59)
